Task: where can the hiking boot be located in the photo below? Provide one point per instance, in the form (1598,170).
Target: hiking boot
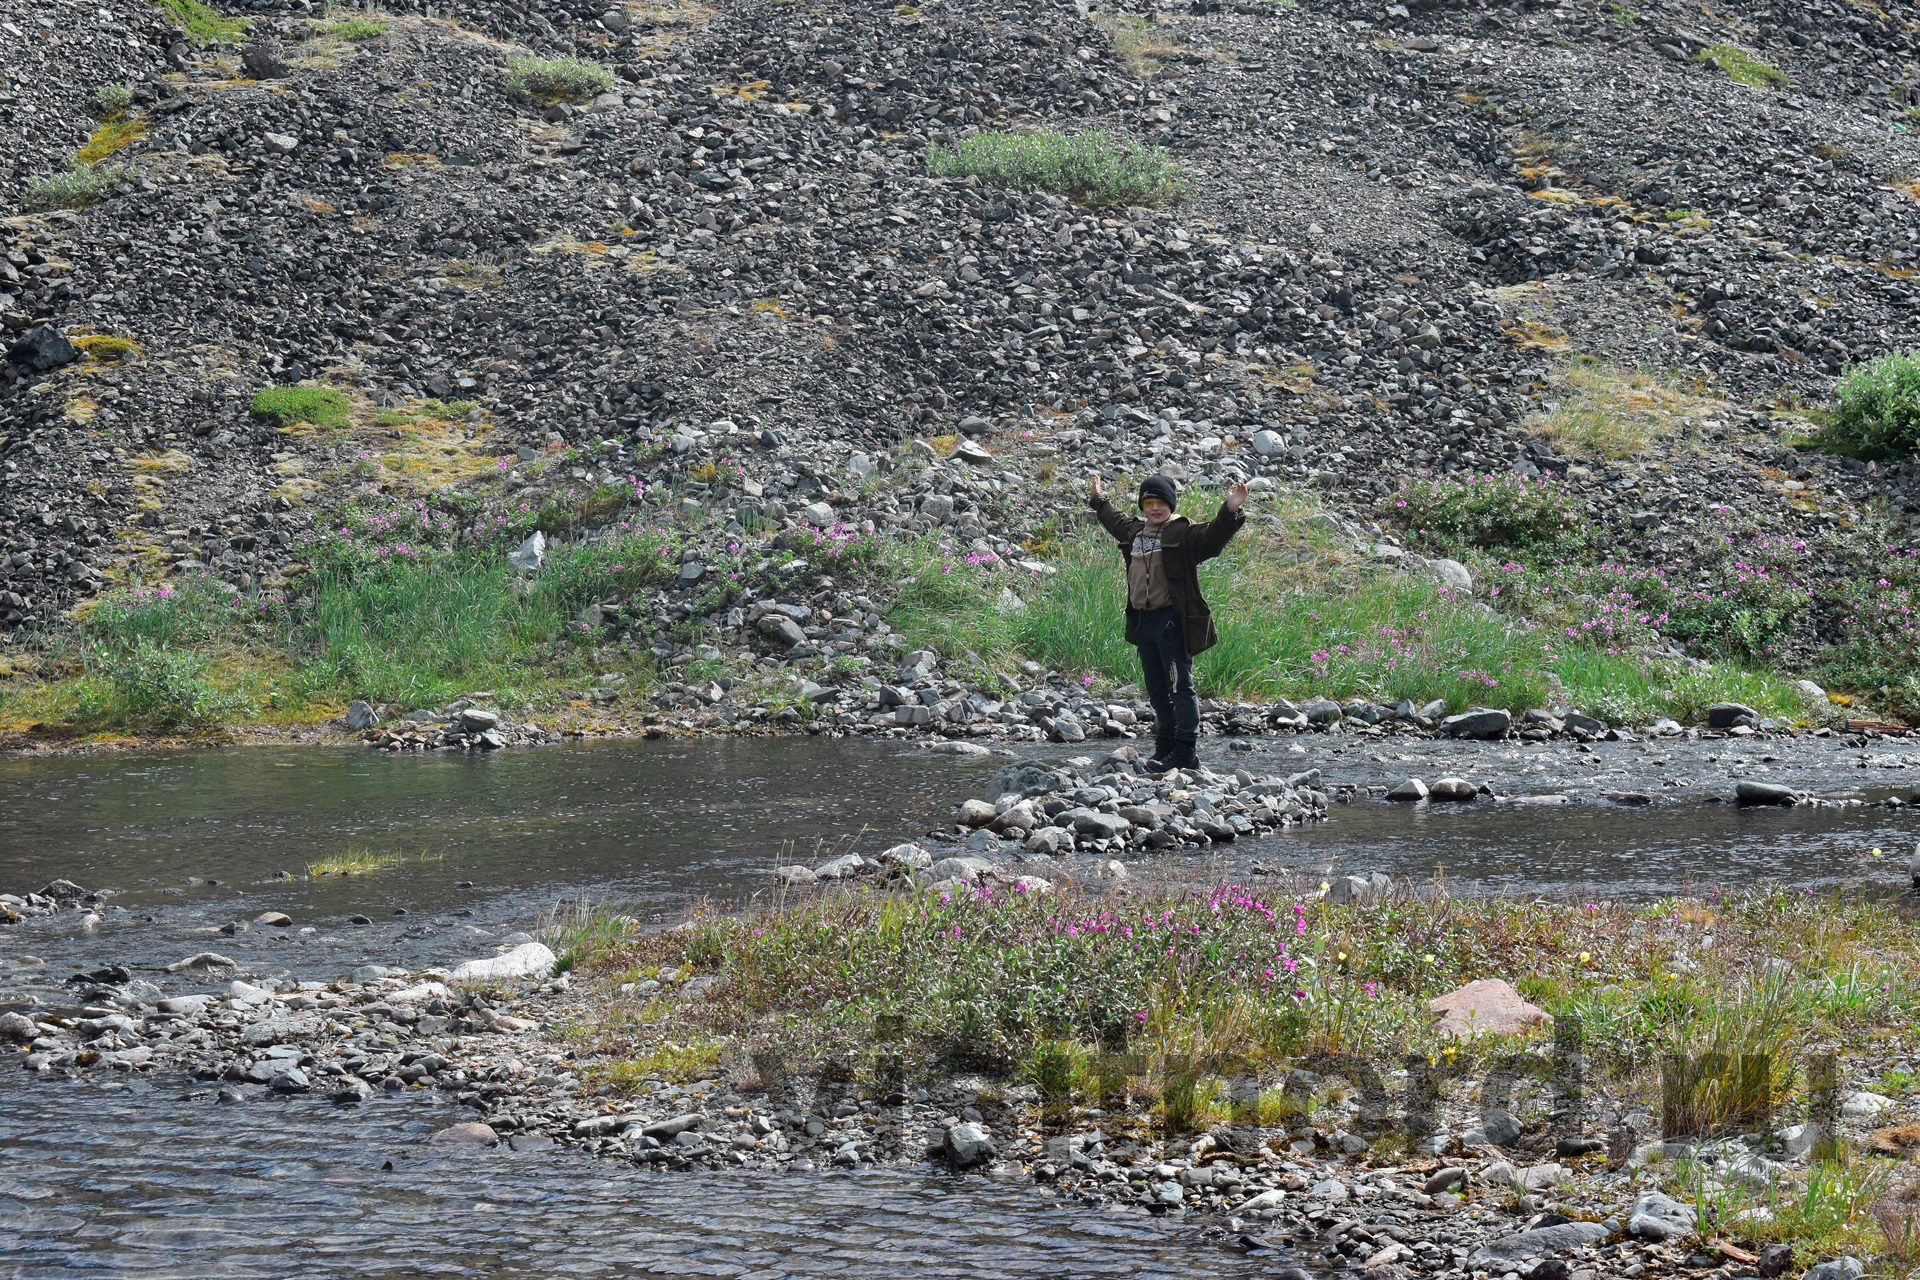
(1184,756)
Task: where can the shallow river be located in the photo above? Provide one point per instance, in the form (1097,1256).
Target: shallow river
(154,1177)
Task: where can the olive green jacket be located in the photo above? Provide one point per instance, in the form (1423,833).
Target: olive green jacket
(1184,546)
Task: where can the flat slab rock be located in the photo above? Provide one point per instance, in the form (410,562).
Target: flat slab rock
(529,958)
(1542,1242)
(1489,1006)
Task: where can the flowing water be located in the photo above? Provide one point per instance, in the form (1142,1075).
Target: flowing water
(152,1176)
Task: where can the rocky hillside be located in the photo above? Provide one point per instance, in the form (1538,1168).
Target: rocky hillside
(1401,223)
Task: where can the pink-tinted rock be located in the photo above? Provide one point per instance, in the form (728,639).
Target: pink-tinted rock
(467,1134)
(1489,1006)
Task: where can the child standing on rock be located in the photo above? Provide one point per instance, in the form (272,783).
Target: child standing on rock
(1167,621)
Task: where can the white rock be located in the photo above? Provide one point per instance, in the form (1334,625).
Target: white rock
(526,959)
(529,555)
(1864,1105)
(420,993)
(1452,575)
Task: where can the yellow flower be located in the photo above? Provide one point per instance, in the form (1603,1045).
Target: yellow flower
(1341,956)
(1586,957)
(1876,853)
(1429,959)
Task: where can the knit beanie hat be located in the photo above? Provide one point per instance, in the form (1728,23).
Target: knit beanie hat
(1159,487)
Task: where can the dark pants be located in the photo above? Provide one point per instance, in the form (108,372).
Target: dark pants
(1168,676)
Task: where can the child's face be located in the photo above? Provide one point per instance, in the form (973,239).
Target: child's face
(1155,511)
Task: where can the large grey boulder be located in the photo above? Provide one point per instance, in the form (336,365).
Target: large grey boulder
(1659,1217)
(525,960)
(1480,722)
(967,1145)
(43,349)
(1541,1242)
(1749,792)
(1729,715)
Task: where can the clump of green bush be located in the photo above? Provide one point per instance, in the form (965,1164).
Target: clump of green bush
(1093,168)
(285,406)
(80,186)
(549,81)
(1879,410)
(146,686)
(111,100)
(355,29)
(1501,512)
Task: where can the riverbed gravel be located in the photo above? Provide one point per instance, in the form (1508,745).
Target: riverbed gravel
(1482,1192)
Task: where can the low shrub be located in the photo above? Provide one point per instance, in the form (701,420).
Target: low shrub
(146,686)
(1092,168)
(285,406)
(110,100)
(81,185)
(1879,408)
(549,81)
(1506,512)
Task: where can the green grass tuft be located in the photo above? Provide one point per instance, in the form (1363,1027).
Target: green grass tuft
(80,186)
(204,22)
(356,28)
(285,406)
(549,81)
(1741,67)
(1092,168)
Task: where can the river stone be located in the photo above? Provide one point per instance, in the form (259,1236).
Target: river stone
(351,1092)
(1331,1190)
(794,874)
(470,1133)
(274,920)
(905,857)
(289,1080)
(977,813)
(1541,1242)
(667,1130)
(967,1145)
(1481,722)
(530,1142)
(845,867)
(968,870)
(1748,792)
(1453,789)
(1583,723)
(1727,715)
(1658,1217)
(204,962)
(1501,1128)
(360,716)
(1101,826)
(17,1028)
(1348,890)
(955,747)
(527,959)
(1838,1269)
(1445,1180)
(1017,820)
(475,720)
(1411,790)
(1490,1005)
(1320,710)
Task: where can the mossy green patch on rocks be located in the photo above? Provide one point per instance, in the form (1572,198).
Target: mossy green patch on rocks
(550,81)
(1093,168)
(285,406)
(1741,67)
(204,22)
